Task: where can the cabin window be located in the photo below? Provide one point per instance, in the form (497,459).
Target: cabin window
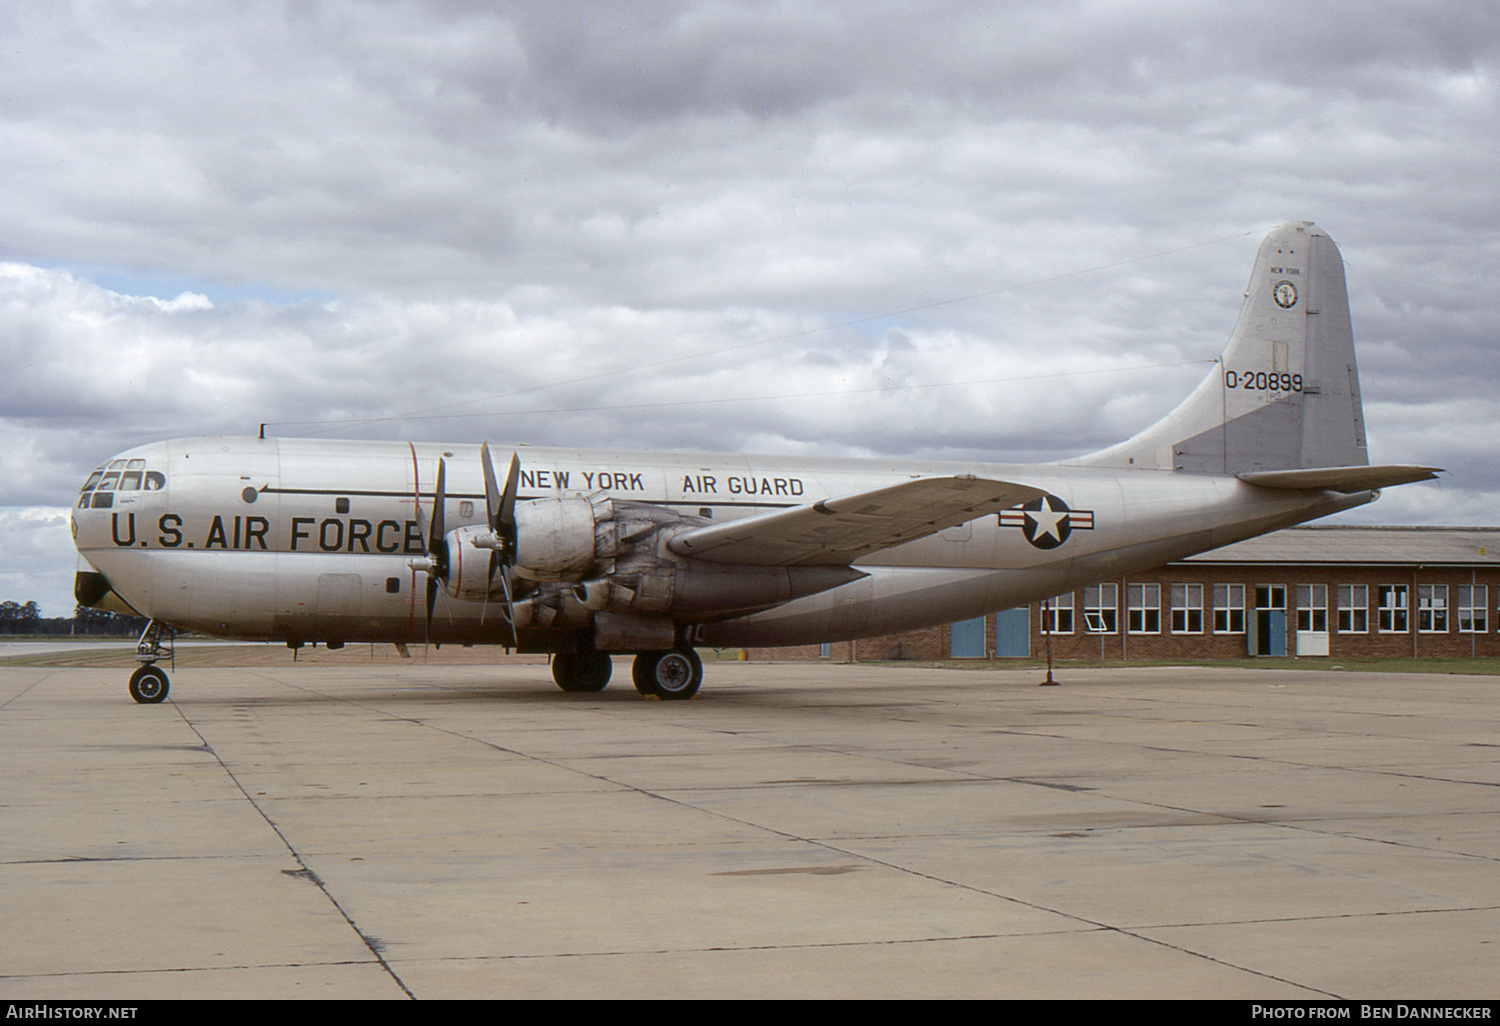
(393,585)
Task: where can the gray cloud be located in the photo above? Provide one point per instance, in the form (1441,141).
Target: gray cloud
(548,221)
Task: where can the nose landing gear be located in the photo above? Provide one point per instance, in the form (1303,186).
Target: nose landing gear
(149,684)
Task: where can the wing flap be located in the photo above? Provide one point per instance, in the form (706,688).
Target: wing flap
(835,532)
(1341,479)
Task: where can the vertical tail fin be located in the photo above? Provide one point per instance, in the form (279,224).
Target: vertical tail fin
(1285,393)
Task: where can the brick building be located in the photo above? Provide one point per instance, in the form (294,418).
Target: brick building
(1343,592)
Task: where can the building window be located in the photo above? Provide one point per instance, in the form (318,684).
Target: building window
(1187,609)
(1229,609)
(1143,608)
(1101,608)
(1473,609)
(1354,609)
(1061,608)
(1392,601)
(1432,608)
(1312,608)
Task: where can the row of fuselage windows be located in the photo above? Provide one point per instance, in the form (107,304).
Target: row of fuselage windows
(1352,612)
(99,490)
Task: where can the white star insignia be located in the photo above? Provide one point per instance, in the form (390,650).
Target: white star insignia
(1047,520)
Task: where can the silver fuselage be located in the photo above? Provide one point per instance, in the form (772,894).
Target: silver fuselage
(305,541)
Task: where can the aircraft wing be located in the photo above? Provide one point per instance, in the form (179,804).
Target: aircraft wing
(835,532)
(1340,479)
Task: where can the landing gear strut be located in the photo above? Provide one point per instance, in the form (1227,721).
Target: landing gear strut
(670,675)
(148,684)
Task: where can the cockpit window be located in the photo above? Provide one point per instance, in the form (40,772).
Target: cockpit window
(119,476)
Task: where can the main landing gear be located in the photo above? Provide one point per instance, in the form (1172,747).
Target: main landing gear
(670,675)
(581,671)
(150,684)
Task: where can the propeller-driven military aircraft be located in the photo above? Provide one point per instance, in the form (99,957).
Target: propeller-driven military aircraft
(584,554)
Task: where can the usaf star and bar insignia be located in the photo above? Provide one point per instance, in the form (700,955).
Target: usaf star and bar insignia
(1047,522)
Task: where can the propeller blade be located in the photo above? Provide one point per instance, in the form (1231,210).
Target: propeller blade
(501,508)
(432,590)
(491,488)
(437,547)
(507,515)
(510,612)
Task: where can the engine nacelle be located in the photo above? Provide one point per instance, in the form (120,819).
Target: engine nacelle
(607,566)
(560,539)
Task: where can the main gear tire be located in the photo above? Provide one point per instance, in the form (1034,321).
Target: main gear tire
(581,672)
(673,675)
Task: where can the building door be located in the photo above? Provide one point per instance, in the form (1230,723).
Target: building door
(1013,633)
(1312,619)
(966,639)
(1267,633)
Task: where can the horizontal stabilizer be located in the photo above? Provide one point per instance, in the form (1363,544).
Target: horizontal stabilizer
(1340,479)
(835,532)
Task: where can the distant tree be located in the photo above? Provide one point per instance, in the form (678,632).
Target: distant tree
(87,620)
(16,618)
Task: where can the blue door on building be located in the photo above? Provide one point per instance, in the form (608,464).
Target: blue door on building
(1013,633)
(1266,634)
(966,639)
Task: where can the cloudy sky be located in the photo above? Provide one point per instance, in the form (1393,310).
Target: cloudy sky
(1011,230)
